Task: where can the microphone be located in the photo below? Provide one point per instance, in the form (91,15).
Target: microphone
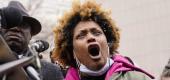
(40,45)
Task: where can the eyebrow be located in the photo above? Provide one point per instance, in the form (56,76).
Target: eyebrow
(82,31)
(93,29)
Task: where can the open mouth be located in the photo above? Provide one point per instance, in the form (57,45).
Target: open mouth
(94,51)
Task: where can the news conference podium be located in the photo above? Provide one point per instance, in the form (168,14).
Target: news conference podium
(11,67)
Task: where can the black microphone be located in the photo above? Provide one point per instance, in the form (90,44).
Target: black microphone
(40,45)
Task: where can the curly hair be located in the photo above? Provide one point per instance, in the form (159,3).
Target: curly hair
(89,11)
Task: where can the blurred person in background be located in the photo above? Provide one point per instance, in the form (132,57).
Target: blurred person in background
(86,40)
(17,29)
(166,72)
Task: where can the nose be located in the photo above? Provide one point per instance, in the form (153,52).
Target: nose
(91,38)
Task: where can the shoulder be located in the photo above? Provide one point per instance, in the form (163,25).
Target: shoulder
(137,75)
(129,75)
(128,70)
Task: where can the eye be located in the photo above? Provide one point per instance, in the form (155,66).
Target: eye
(97,32)
(81,35)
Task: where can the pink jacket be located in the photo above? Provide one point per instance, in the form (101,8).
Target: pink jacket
(120,64)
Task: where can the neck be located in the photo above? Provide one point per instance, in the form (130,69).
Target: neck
(100,72)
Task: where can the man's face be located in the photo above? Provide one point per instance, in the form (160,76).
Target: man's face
(17,37)
(90,45)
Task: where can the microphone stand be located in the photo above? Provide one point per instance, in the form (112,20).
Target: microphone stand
(31,70)
(38,63)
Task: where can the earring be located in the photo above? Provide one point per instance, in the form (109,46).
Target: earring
(77,61)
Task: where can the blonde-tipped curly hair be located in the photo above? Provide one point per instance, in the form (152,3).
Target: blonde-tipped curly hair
(89,11)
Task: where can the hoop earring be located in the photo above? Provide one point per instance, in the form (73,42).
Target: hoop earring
(109,55)
(77,62)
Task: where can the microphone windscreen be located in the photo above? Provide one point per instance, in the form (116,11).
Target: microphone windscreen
(46,44)
(43,45)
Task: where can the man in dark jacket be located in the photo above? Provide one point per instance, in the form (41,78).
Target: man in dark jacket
(17,29)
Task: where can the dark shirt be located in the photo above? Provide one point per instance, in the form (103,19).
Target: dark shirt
(102,77)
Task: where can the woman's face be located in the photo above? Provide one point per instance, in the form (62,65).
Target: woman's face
(90,45)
